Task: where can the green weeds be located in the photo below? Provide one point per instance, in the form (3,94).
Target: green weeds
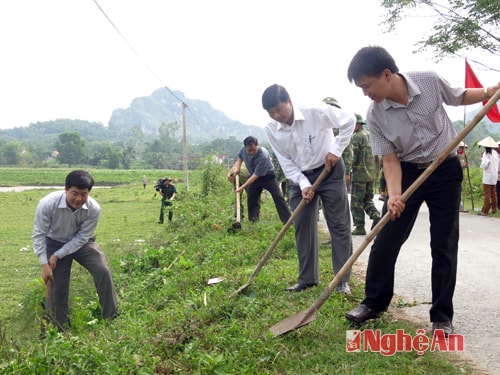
(172,321)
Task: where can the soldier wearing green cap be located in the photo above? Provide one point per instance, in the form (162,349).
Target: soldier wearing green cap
(364,167)
(168,193)
(332,101)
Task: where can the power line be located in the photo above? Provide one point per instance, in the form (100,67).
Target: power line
(149,68)
(137,54)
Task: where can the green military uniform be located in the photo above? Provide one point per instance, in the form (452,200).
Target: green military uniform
(280,177)
(167,191)
(330,100)
(364,168)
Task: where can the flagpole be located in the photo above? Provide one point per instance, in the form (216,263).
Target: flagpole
(465,154)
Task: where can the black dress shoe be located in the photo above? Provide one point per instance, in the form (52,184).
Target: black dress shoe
(299,287)
(362,313)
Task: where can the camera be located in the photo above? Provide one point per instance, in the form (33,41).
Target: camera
(159,184)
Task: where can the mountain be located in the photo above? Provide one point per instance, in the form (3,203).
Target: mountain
(203,122)
(47,132)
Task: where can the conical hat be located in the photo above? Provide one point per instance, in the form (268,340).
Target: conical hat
(488,142)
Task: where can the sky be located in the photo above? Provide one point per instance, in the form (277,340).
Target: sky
(67,59)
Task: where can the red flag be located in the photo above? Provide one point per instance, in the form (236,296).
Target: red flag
(471,81)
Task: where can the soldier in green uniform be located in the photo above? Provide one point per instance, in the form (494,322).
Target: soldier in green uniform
(364,168)
(280,176)
(168,193)
(330,100)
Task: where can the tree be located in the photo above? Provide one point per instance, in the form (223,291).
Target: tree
(167,135)
(459,24)
(114,156)
(158,160)
(228,148)
(10,153)
(96,152)
(40,154)
(136,142)
(127,156)
(213,177)
(71,148)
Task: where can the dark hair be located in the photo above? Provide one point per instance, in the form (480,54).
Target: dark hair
(79,179)
(370,61)
(274,95)
(250,140)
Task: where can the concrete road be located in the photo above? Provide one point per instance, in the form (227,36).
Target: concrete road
(476,301)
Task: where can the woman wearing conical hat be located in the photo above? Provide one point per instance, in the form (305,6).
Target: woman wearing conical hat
(489,165)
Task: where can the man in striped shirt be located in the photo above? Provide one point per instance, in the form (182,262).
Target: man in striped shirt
(409,128)
(65,222)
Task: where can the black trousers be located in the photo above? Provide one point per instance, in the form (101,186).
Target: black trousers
(441,192)
(254,191)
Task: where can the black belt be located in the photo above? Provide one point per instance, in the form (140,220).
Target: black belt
(426,164)
(313,171)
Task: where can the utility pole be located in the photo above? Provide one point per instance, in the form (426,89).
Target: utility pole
(184,147)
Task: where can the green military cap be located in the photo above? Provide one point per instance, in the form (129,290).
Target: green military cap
(359,119)
(332,101)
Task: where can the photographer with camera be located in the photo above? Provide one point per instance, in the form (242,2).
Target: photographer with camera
(168,193)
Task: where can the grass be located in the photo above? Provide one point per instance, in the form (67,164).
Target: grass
(172,321)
